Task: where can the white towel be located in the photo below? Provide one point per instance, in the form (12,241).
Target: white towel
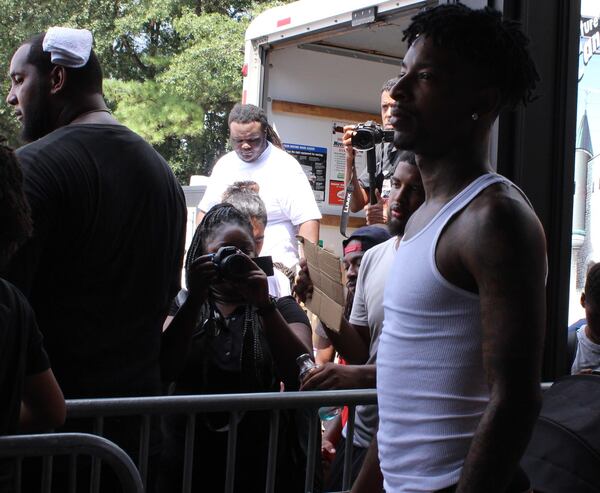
(68,47)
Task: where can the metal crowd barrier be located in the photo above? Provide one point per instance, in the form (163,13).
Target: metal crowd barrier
(190,405)
(72,444)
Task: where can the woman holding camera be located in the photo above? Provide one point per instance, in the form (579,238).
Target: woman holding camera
(230,336)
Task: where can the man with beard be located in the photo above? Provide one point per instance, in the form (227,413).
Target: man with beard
(109,220)
(459,361)
(386,159)
(258,156)
(358,339)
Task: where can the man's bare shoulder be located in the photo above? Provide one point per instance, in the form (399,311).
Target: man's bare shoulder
(500,207)
(497,232)
(503,222)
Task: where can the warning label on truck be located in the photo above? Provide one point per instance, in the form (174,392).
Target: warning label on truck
(339,153)
(336,192)
(314,163)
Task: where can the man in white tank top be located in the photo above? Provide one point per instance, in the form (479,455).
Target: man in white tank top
(459,358)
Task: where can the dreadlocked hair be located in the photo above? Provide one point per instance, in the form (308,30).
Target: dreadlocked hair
(592,285)
(217,217)
(15,214)
(248,113)
(497,48)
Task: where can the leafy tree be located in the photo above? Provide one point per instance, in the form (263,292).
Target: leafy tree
(172,67)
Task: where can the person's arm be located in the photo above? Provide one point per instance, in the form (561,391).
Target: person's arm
(360,198)
(377,213)
(331,437)
(310,230)
(508,264)
(42,405)
(369,479)
(303,285)
(325,352)
(331,376)
(352,342)
(286,340)
(177,335)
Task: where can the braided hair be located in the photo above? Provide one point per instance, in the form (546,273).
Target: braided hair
(15,214)
(496,48)
(248,113)
(217,217)
(257,370)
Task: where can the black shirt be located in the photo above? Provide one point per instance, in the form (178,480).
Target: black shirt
(21,353)
(105,259)
(220,348)
(223,361)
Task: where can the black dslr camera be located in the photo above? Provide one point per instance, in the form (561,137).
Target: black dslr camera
(232,264)
(367,135)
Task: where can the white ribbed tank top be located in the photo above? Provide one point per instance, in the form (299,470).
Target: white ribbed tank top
(430,381)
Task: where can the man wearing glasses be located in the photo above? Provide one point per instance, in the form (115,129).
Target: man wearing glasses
(258,156)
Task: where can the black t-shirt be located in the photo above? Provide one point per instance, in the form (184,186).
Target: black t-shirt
(21,353)
(223,361)
(215,363)
(105,259)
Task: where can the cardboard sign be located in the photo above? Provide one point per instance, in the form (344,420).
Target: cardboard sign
(326,273)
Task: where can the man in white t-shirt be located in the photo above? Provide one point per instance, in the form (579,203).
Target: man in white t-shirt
(361,333)
(284,188)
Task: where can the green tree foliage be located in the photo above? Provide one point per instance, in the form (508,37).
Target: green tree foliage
(172,67)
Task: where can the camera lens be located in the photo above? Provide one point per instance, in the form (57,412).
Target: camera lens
(234,266)
(363,139)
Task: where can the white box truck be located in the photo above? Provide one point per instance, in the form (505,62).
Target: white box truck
(315,65)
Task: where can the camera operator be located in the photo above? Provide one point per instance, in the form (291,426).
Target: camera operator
(230,336)
(386,155)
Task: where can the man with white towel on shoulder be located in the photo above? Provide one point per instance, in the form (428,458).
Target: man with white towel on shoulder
(109,218)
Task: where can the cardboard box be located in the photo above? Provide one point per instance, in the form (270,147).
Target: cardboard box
(326,273)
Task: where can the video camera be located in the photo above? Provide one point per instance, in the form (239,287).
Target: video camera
(233,265)
(367,135)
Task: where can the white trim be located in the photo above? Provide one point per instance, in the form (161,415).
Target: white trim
(315,15)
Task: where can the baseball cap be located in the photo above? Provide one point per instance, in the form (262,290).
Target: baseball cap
(368,236)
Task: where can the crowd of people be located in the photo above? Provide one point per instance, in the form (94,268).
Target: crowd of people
(446,284)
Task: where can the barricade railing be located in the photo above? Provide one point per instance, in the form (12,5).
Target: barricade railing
(48,446)
(234,404)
